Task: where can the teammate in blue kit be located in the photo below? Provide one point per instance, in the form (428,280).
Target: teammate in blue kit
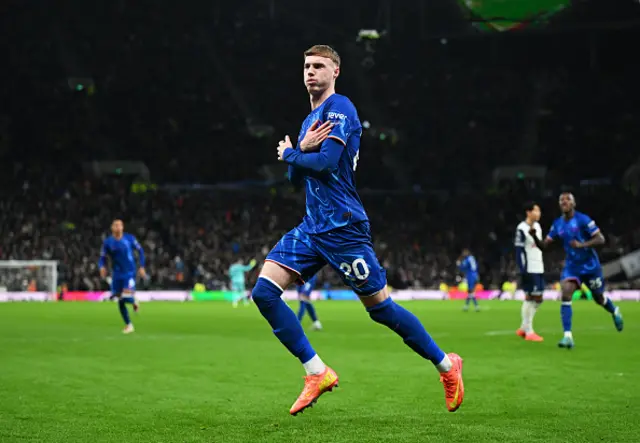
(335,232)
(469,267)
(579,234)
(306,305)
(119,247)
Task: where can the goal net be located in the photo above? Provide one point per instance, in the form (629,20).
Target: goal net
(29,276)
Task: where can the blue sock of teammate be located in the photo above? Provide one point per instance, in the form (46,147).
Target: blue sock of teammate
(129,300)
(312,311)
(282,319)
(302,309)
(472,296)
(407,326)
(122,305)
(566,312)
(608,305)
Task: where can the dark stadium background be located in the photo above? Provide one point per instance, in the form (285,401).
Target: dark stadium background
(167,114)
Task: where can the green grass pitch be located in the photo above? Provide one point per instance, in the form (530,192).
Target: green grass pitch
(205,372)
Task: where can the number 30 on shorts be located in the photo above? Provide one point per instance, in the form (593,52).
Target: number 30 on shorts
(358,270)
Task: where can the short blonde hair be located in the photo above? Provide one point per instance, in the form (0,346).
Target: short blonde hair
(324,51)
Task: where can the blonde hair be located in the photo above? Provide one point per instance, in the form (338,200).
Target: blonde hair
(324,51)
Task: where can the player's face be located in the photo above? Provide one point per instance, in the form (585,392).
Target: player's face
(566,203)
(535,213)
(117,227)
(320,74)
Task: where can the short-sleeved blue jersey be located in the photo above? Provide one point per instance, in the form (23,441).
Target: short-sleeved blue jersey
(123,261)
(332,199)
(469,267)
(581,228)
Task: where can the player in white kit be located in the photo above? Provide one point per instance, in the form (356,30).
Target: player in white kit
(531,265)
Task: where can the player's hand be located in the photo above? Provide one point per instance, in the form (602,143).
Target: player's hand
(283,146)
(103,272)
(142,273)
(576,244)
(316,134)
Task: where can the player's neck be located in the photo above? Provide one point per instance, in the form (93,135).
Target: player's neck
(317,100)
(530,222)
(569,215)
(118,236)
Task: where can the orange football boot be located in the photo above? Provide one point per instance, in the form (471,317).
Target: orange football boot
(453,385)
(314,387)
(532,336)
(520,333)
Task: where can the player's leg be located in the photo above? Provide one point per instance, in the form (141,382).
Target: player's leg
(128,297)
(471,295)
(118,285)
(236,293)
(311,310)
(302,309)
(533,285)
(291,258)
(468,299)
(568,286)
(595,282)
(350,252)
(243,295)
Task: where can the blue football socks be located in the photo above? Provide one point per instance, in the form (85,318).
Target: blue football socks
(282,319)
(124,312)
(471,297)
(302,309)
(566,313)
(407,326)
(609,306)
(312,311)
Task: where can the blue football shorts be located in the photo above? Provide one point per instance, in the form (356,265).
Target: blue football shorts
(348,250)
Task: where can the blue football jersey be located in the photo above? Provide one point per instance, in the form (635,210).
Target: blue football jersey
(581,228)
(332,199)
(469,267)
(123,261)
(308,286)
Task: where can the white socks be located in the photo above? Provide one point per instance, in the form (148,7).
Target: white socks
(568,334)
(529,308)
(445,365)
(315,366)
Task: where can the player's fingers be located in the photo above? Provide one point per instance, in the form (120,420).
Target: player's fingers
(325,125)
(314,125)
(287,139)
(325,134)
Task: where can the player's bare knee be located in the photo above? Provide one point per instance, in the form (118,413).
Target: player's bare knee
(537,298)
(372,300)
(534,298)
(568,288)
(277,274)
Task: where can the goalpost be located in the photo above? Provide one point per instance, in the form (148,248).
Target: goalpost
(29,276)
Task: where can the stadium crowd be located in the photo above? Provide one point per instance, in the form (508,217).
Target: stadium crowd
(194,236)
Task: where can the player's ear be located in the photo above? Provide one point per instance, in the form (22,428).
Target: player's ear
(336,72)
